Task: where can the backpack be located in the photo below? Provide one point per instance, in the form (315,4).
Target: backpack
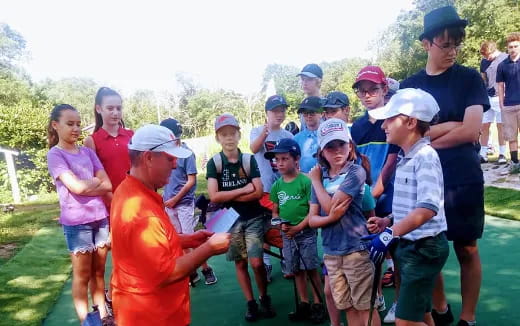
(244,157)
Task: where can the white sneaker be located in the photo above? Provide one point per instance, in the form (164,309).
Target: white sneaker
(380,303)
(390,316)
(501,159)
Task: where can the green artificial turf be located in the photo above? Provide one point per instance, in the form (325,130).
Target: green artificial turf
(31,281)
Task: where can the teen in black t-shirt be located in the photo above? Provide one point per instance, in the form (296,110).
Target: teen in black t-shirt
(462,98)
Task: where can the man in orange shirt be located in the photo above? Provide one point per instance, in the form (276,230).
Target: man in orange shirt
(150,275)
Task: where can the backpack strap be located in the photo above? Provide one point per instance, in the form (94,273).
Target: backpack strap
(217,159)
(246,163)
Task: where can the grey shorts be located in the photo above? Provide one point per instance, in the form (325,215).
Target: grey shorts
(301,252)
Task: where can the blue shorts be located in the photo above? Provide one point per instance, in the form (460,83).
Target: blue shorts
(87,237)
(301,252)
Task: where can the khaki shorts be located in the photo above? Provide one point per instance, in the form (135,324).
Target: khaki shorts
(183,218)
(351,278)
(511,122)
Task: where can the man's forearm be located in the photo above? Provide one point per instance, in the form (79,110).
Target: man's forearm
(187,263)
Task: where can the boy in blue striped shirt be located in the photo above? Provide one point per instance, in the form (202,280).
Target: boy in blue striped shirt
(419,222)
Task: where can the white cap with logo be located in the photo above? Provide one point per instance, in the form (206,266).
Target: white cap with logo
(333,129)
(412,102)
(157,139)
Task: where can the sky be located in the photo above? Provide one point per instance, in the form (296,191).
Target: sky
(130,45)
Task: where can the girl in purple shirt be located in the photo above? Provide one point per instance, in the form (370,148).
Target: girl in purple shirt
(80,182)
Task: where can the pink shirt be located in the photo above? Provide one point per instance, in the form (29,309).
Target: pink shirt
(76,209)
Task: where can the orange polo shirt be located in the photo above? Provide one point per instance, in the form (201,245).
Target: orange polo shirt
(145,247)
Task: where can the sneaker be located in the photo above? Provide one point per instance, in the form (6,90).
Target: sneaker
(303,312)
(288,276)
(108,304)
(209,276)
(483,159)
(267,308)
(501,159)
(388,278)
(442,319)
(390,316)
(269,271)
(380,304)
(108,321)
(462,323)
(514,168)
(318,313)
(194,278)
(252,311)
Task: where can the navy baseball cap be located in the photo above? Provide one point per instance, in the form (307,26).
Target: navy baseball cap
(311,70)
(173,125)
(336,100)
(311,103)
(275,101)
(284,145)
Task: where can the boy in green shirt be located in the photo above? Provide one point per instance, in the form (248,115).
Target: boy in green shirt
(290,195)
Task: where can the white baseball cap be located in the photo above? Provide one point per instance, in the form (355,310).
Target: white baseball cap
(157,139)
(333,129)
(412,102)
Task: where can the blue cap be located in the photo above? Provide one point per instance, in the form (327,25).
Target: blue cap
(284,145)
(336,100)
(311,70)
(173,125)
(275,101)
(311,103)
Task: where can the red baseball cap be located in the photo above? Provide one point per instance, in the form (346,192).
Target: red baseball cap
(370,73)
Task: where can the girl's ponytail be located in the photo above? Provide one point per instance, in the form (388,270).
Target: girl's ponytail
(52,135)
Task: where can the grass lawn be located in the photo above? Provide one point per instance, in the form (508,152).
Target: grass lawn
(502,202)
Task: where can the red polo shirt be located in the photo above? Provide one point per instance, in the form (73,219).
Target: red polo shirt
(145,248)
(113,153)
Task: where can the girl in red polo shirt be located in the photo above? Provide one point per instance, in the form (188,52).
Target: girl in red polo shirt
(110,141)
(110,138)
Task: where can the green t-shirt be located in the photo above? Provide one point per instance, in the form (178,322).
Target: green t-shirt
(292,198)
(234,177)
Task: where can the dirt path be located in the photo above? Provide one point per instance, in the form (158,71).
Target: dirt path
(498,175)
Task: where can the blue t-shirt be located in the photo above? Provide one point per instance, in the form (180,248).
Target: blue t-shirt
(308,141)
(371,141)
(179,177)
(484,64)
(344,236)
(454,90)
(508,72)
(268,171)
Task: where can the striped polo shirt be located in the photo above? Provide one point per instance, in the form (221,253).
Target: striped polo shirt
(419,183)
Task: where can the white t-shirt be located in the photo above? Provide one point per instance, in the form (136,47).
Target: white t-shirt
(268,172)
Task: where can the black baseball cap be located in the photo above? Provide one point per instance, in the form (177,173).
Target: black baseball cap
(275,101)
(311,103)
(284,145)
(336,100)
(311,70)
(173,125)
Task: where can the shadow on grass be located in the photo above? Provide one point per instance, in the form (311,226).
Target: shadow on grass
(18,228)
(32,280)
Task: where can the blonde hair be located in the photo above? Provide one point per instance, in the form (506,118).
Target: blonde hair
(488,47)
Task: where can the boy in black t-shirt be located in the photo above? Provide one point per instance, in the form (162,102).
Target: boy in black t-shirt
(462,98)
(230,184)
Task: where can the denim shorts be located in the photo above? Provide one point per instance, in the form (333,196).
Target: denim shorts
(301,252)
(87,237)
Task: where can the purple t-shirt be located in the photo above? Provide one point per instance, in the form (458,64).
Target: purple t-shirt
(76,209)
